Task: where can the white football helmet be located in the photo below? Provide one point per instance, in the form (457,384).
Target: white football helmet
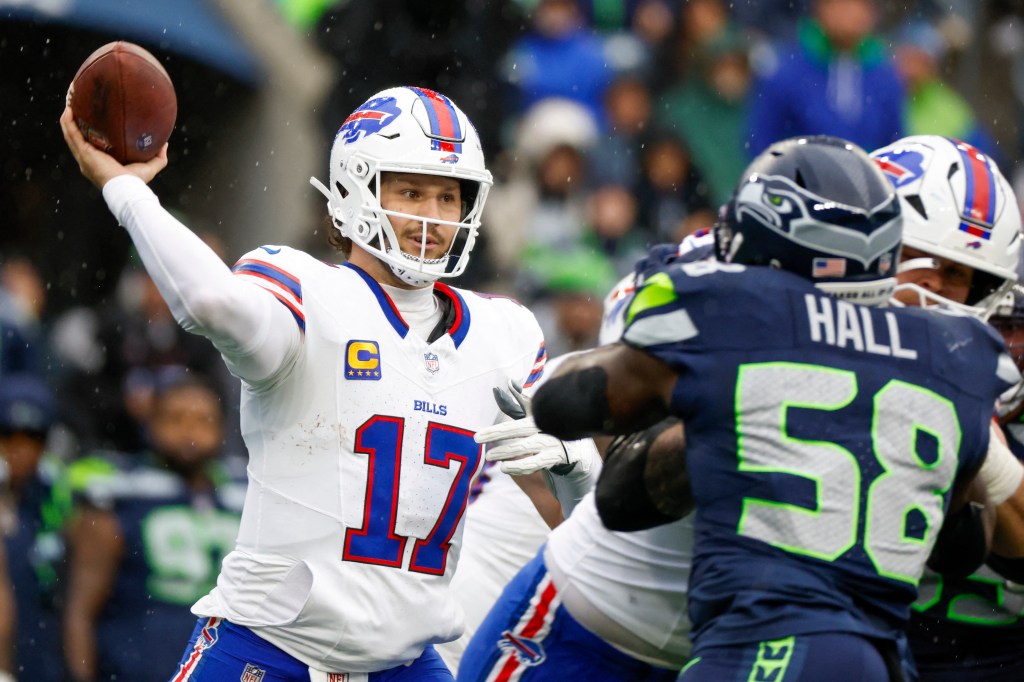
(957,206)
(405,130)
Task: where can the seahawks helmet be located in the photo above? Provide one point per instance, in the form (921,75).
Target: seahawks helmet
(957,206)
(820,208)
(405,130)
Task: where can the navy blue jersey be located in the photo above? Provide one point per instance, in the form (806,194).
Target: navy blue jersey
(174,541)
(35,559)
(823,441)
(974,625)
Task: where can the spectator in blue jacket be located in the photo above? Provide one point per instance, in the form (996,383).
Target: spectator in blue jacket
(837,79)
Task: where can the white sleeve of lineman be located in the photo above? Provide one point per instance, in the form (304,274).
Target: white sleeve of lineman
(256,335)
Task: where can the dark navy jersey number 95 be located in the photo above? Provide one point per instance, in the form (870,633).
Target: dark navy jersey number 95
(823,441)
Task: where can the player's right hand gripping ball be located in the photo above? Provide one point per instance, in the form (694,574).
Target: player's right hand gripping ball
(123,101)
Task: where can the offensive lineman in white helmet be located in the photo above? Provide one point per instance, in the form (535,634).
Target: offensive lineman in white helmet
(362,383)
(961,252)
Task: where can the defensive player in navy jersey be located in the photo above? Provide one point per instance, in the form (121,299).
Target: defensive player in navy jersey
(362,386)
(149,538)
(825,438)
(35,504)
(962,247)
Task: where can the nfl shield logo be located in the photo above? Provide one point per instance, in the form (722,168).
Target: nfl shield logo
(432,363)
(252,674)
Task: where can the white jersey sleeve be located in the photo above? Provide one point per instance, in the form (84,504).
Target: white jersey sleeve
(246,325)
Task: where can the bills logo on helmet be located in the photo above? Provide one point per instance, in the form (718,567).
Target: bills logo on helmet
(451,158)
(902,166)
(527,651)
(369,119)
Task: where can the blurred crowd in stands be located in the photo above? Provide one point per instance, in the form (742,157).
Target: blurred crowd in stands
(610,125)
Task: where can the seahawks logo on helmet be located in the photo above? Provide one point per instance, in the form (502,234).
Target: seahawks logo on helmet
(816,223)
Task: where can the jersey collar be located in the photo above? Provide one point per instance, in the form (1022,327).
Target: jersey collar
(459,326)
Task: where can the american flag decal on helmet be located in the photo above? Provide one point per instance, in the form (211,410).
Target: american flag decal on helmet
(445,128)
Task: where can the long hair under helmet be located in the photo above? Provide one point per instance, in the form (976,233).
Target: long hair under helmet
(957,206)
(405,130)
(819,207)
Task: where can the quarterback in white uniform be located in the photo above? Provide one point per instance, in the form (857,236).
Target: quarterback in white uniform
(363,386)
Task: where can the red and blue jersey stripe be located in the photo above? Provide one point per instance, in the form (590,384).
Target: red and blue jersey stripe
(979,209)
(460,327)
(538,366)
(284,286)
(444,121)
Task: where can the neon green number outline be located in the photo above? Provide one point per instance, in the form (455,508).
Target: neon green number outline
(829,530)
(879,520)
(765,519)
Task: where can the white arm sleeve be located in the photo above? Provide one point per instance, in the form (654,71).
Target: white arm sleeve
(256,335)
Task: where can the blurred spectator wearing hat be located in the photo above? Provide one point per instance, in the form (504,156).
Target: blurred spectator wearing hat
(837,79)
(933,107)
(36,506)
(571,303)
(541,201)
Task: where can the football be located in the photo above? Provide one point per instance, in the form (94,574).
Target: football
(123,102)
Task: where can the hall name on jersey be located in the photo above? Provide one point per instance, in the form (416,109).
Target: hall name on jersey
(432,408)
(845,325)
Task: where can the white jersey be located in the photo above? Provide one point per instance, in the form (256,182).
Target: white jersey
(361,458)
(504,530)
(636,580)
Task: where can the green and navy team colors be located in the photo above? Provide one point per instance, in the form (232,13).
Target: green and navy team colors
(969,629)
(823,441)
(174,541)
(35,553)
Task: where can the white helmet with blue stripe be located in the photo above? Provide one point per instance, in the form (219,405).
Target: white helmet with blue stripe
(405,130)
(956,206)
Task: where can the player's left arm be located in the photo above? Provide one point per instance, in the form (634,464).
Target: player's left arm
(96,546)
(1002,477)
(644,482)
(611,390)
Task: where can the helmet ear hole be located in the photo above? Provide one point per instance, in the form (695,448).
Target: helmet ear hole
(914,200)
